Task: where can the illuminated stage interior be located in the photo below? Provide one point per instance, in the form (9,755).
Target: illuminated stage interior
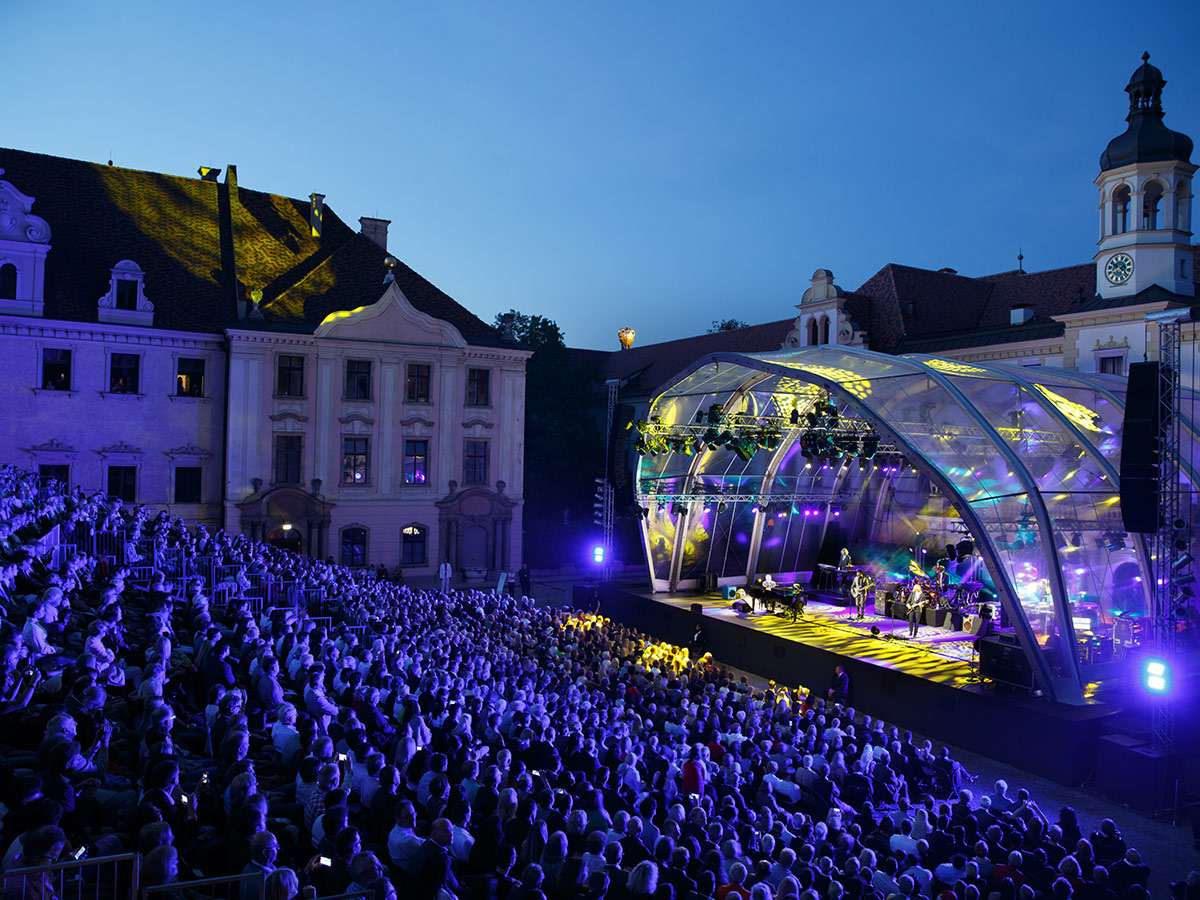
(936,653)
(769,464)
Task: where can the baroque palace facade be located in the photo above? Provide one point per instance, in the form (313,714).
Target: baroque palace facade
(249,361)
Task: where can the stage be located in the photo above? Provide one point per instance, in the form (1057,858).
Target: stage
(927,685)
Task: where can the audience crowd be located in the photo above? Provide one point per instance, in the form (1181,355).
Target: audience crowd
(450,744)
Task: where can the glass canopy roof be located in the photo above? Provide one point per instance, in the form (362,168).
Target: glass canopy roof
(1022,460)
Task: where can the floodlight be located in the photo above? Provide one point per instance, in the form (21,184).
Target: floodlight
(1156,676)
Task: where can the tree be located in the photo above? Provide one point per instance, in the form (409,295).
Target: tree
(720,325)
(564,450)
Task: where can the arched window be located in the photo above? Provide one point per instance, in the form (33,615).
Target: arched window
(824,329)
(1151,205)
(1120,210)
(354,546)
(8,282)
(414,545)
(812,332)
(1183,205)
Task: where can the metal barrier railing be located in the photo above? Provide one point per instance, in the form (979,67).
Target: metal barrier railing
(62,554)
(232,884)
(41,881)
(140,576)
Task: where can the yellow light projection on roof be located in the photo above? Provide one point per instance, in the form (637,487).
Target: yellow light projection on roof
(1080,415)
(851,381)
(954,368)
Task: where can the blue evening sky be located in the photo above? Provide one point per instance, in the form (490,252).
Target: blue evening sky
(653,164)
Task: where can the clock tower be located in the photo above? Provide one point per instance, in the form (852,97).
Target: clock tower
(1145,186)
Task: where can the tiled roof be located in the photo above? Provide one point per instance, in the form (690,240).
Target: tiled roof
(1038,328)
(203,246)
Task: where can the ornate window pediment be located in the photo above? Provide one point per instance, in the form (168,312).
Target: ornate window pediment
(126,303)
(24,243)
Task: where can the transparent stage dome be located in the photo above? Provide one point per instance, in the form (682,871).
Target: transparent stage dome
(767,462)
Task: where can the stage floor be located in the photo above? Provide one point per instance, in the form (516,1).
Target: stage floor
(936,654)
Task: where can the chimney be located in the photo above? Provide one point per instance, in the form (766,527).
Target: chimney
(375,229)
(1020,314)
(231,181)
(208,173)
(316,213)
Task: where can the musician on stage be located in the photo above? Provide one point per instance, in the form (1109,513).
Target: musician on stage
(941,580)
(844,561)
(768,583)
(916,600)
(797,600)
(859,590)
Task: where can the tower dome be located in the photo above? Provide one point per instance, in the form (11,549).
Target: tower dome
(1146,139)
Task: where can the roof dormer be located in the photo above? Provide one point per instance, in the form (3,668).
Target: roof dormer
(24,243)
(126,303)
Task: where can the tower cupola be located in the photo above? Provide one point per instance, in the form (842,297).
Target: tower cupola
(1146,139)
(1145,184)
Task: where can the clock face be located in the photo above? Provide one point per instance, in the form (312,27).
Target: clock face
(1119,268)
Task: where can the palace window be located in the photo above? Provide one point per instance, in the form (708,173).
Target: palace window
(124,372)
(354,546)
(354,460)
(8,282)
(418,383)
(187,484)
(127,292)
(475,462)
(413,545)
(59,473)
(416,459)
(358,379)
(122,483)
(1112,365)
(287,459)
(56,369)
(290,380)
(479,387)
(189,378)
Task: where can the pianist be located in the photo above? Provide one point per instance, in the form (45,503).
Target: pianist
(844,561)
(768,583)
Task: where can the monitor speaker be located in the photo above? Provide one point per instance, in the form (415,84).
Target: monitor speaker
(698,608)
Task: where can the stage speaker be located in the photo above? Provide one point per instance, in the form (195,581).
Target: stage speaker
(728,592)
(1003,662)
(1130,771)
(1141,443)
(698,608)
(708,583)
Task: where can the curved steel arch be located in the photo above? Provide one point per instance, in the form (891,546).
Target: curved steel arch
(1000,573)
(1055,413)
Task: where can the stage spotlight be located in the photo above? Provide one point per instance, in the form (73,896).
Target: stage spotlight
(714,414)
(598,554)
(1156,676)
(721,507)
(1181,563)
(1185,579)
(795,416)
(661,506)
(699,417)
(964,549)
(951,552)
(753,509)
(870,446)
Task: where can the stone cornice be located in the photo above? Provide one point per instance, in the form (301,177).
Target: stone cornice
(270,337)
(1131,314)
(63,330)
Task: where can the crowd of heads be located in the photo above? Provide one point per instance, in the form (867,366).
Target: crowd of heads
(436,744)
